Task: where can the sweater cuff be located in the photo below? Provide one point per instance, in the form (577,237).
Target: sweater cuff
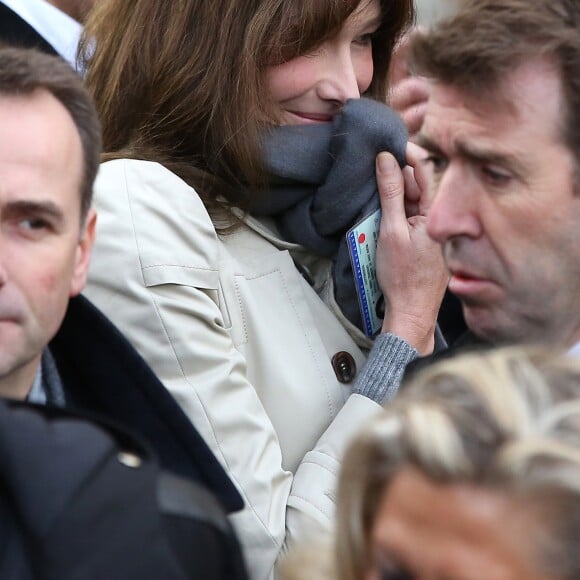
(381,376)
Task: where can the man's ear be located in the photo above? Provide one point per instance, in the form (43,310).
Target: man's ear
(83,254)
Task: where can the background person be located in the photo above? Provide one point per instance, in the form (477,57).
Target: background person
(472,472)
(430,12)
(62,476)
(204,106)
(502,129)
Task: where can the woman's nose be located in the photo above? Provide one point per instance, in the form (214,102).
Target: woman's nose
(338,79)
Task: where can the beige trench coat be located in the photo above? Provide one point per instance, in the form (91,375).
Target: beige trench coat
(240,339)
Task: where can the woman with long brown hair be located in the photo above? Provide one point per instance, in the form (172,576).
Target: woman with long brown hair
(239,153)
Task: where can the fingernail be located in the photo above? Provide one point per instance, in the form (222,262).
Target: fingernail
(386,163)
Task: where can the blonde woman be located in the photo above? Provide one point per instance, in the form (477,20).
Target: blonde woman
(472,473)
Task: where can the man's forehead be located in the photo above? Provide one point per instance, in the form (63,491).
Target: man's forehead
(493,108)
(529,99)
(528,75)
(40,149)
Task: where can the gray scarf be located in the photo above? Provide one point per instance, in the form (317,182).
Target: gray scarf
(323,182)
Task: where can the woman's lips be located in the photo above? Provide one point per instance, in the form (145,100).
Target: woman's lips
(307,118)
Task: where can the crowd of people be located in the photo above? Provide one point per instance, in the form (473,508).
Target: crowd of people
(224,400)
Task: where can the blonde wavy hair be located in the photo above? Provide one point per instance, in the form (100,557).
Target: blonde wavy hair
(507,420)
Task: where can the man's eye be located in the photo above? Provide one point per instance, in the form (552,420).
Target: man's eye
(439,163)
(34,224)
(496,176)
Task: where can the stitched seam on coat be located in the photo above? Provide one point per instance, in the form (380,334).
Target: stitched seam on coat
(304,334)
(263,274)
(333,472)
(312,352)
(130,204)
(188,267)
(328,493)
(317,508)
(309,503)
(242,311)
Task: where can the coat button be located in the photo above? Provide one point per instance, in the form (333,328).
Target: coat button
(344,366)
(129,459)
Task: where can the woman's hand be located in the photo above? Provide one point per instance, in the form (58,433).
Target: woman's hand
(408,94)
(410,267)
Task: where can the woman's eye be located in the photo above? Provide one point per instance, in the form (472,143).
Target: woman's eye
(364,39)
(387,568)
(394,574)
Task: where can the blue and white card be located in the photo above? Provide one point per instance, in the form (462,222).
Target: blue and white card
(362,244)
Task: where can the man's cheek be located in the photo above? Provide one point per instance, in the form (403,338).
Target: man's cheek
(47,282)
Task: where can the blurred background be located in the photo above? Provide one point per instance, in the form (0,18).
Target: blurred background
(430,11)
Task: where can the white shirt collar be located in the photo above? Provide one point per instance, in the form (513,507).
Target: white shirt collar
(57,28)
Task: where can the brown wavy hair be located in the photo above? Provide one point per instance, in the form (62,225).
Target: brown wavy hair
(181,82)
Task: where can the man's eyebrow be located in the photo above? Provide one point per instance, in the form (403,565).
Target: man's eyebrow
(47,209)
(491,157)
(473,153)
(427,143)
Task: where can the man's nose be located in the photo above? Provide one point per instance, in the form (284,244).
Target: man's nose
(453,211)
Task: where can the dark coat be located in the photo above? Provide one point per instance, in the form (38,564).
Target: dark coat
(17,32)
(467,342)
(81,499)
(103,374)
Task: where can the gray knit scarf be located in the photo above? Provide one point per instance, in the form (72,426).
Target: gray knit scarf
(323,182)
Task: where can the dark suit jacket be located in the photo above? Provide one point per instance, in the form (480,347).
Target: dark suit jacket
(17,32)
(104,375)
(467,342)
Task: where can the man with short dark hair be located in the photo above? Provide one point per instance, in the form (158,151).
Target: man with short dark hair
(502,131)
(57,350)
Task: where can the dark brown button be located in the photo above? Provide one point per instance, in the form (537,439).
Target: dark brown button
(344,366)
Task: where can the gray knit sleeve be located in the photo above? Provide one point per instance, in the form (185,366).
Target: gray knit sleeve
(381,376)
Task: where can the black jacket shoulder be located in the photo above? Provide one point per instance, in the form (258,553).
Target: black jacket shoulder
(467,342)
(103,374)
(81,498)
